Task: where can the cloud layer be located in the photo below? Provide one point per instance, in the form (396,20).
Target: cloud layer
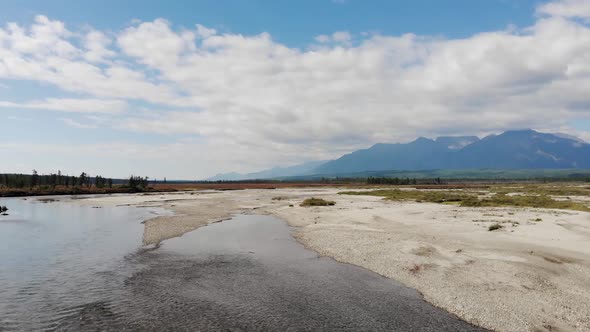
(253,97)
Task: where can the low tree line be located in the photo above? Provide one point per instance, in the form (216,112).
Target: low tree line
(53,180)
(402,181)
(138,182)
(36,180)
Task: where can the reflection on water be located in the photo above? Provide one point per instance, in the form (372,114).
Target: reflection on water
(56,257)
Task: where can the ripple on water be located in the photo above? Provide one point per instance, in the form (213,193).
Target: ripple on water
(242,274)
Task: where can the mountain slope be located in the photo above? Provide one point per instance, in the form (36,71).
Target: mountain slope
(519,149)
(523,149)
(301,169)
(420,154)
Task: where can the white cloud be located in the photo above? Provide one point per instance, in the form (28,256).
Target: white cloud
(566,8)
(96,44)
(341,36)
(337,37)
(76,124)
(71,105)
(204,32)
(247,94)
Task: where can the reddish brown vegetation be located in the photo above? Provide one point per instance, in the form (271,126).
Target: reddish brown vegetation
(238,186)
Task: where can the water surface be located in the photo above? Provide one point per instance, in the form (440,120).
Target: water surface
(58,256)
(69,267)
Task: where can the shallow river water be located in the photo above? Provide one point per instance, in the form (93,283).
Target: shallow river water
(65,266)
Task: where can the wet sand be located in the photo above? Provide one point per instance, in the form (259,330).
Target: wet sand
(529,276)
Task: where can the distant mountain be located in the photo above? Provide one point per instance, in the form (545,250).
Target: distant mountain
(276,172)
(423,153)
(512,150)
(519,149)
(456,142)
(523,149)
(562,135)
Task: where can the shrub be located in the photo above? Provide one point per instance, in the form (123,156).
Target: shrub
(317,202)
(470,200)
(495,227)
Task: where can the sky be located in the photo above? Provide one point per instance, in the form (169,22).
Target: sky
(189,89)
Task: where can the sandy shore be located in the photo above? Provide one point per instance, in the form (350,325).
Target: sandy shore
(532,275)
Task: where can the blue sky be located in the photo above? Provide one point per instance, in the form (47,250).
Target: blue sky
(188,89)
(291,22)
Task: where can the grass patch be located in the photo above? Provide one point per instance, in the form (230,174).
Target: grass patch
(317,202)
(495,227)
(416,195)
(472,200)
(542,201)
(543,190)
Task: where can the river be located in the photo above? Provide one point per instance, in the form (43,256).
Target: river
(67,266)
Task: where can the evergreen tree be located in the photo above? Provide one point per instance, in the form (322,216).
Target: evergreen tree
(34,179)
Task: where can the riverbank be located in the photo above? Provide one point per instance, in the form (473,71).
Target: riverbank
(529,275)
(156,188)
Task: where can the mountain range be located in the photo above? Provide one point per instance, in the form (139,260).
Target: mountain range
(511,150)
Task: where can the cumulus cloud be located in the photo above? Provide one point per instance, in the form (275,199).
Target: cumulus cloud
(96,44)
(566,8)
(204,32)
(244,93)
(337,37)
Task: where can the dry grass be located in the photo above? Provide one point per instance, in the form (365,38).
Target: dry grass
(470,199)
(317,202)
(553,189)
(495,227)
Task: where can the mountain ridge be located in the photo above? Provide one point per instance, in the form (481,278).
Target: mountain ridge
(513,149)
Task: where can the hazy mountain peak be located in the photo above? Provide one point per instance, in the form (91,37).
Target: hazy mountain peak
(567,136)
(513,149)
(456,142)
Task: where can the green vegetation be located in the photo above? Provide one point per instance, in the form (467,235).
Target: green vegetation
(430,176)
(416,195)
(495,227)
(317,202)
(137,183)
(53,180)
(58,184)
(542,201)
(544,189)
(469,199)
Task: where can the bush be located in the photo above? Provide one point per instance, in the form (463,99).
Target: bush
(470,200)
(495,227)
(317,202)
